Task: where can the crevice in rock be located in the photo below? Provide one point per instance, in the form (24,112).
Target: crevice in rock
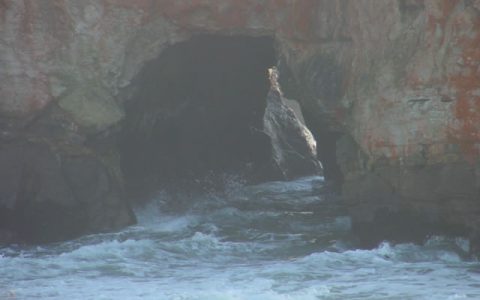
(327,154)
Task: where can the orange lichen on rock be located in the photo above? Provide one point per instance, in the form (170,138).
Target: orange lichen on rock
(382,147)
(302,17)
(440,14)
(466,130)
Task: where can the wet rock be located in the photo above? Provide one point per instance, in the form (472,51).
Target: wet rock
(411,203)
(51,194)
(294,148)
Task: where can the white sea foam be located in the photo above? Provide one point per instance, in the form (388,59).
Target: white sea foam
(223,249)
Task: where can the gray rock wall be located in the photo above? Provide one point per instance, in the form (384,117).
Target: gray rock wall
(399,79)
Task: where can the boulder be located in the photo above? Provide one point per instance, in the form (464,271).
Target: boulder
(49,193)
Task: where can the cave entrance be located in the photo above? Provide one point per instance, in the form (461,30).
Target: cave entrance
(198,109)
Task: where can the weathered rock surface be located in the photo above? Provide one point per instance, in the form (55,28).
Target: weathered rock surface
(397,80)
(294,148)
(51,194)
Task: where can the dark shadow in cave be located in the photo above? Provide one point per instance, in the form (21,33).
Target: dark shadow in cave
(198,109)
(327,151)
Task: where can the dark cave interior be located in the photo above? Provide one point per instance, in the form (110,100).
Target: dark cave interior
(197,109)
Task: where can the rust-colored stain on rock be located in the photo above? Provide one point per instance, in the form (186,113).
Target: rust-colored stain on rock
(467,86)
(349,29)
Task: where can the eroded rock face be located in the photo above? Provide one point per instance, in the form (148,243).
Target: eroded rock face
(397,80)
(294,148)
(52,194)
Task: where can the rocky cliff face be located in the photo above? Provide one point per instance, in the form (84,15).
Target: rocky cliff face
(391,88)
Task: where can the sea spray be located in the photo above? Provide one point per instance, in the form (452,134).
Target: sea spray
(279,241)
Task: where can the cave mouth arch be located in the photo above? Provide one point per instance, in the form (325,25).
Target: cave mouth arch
(198,109)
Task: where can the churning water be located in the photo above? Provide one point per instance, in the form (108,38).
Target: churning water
(273,241)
